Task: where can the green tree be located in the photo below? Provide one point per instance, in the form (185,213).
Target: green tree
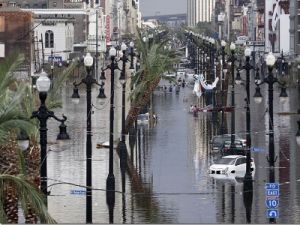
(155,59)
(17,102)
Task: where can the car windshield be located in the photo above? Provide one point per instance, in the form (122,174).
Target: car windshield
(142,117)
(218,141)
(227,161)
(237,143)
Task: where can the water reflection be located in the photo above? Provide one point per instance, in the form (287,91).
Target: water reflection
(169,182)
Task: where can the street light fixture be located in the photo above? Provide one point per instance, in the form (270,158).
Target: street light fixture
(270,80)
(122,145)
(88,81)
(232,60)
(224,71)
(131,44)
(110,181)
(248,67)
(43,114)
(23,140)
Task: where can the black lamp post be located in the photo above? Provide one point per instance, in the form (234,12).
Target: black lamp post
(238,80)
(224,71)
(88,81)
(232,60)
(43,114)
(131,44)
(270,80)
(122,145)
(110,181)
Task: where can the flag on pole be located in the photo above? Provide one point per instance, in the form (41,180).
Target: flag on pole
(276,15)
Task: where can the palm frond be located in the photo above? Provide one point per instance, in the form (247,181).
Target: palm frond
(54,95)
(29,194)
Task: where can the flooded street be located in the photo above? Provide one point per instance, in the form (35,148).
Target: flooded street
(172,159)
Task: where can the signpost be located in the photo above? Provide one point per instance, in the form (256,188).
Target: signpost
(272,200)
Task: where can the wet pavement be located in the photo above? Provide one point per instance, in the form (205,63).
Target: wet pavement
(172,159)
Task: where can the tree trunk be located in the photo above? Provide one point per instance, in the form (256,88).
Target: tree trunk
(136,108)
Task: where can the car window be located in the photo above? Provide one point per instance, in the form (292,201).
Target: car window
(240,161)
(226,161)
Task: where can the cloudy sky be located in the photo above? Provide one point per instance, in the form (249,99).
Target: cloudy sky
(162,7)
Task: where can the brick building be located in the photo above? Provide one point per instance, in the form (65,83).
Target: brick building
(16,34)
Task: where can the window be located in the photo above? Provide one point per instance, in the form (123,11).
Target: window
(54,4)
(49,39)
(2,23)
(240,161)
(298,37)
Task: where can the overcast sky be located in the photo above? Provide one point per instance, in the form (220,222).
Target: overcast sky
(162,7)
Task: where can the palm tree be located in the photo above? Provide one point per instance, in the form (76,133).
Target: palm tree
(156,59)
(17,102)
(15,187)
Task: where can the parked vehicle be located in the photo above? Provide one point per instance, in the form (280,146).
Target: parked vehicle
(218,142)
(239,148)
(170,74)
(180,74)
(143,119)
(231,164)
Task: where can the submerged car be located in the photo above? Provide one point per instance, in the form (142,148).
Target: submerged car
(143,119)
(238,150)
(221,141)
(231,164)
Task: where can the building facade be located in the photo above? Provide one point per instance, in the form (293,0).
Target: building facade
(199,11)
(204,10)
(16,34)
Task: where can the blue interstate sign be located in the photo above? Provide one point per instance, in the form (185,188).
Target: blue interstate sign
(272,213)
(272,192)
(272,186)
(272,203)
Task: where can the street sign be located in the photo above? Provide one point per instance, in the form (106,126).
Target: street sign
(272,186)
(272,213)
(272,192)
(257,149)
(78,192)
(272,203)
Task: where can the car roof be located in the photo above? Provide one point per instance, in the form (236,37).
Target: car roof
(234,156)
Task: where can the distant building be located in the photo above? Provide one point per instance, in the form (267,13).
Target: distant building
(199,11)
(16,34)
(173,21)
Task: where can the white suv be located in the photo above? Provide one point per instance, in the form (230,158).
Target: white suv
(231,164)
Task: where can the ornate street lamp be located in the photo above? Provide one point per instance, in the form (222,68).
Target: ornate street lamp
(88,81)
(224,71)
(270,80)
(43,114)
(232,60)
(122,145)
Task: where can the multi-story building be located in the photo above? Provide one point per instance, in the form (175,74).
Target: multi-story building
(199,11)
(204,10)
(16,34)
(191,13)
